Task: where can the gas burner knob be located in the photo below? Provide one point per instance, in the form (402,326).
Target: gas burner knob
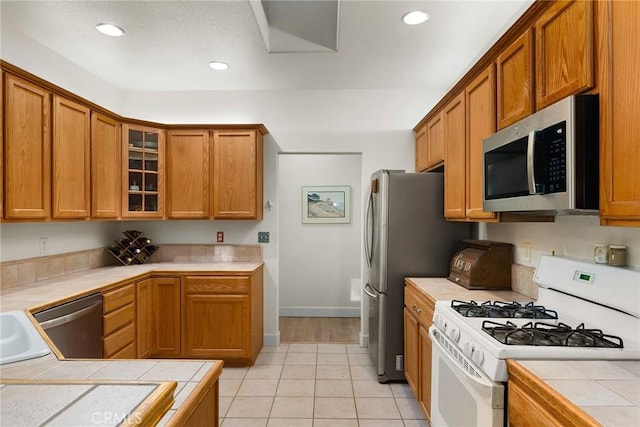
(454,334)
(468,349)
(478,356)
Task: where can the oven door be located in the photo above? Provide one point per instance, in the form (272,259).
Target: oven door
(460,394)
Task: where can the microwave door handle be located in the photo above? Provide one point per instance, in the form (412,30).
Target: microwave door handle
(531,176)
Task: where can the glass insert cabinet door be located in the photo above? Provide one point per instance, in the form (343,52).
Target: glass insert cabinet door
(143,192)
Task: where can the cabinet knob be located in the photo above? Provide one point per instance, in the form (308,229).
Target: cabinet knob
(416,309)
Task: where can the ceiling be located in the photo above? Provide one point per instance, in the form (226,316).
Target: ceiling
(360,45)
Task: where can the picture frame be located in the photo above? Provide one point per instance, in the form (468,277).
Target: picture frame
(326,204)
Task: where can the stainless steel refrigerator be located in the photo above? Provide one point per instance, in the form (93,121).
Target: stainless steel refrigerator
(406,235)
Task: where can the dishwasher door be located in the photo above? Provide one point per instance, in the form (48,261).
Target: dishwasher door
(75,327)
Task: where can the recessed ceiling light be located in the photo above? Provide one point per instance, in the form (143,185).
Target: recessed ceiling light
(110,30)
(415,17)
(218,65)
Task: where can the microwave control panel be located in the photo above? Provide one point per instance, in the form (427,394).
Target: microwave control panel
(556,155)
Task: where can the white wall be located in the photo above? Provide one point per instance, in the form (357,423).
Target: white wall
(319,263)
(572,236)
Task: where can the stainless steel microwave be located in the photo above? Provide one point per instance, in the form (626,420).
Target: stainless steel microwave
(547,162)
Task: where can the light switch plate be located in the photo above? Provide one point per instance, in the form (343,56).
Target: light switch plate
(263,237)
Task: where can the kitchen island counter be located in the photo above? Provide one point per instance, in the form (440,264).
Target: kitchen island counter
(595,391)
(103,392)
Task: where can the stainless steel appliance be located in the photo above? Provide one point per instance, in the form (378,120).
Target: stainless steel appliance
(75,327)
(406,235)
(545,162)
(584,311)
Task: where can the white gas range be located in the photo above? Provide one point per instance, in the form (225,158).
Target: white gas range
(583,311)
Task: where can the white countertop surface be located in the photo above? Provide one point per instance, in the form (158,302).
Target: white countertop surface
(63,287)
(609,391)
(25,405)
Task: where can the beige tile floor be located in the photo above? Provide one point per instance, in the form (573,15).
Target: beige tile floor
(314,385)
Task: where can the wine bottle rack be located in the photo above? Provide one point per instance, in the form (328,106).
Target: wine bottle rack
(134,248)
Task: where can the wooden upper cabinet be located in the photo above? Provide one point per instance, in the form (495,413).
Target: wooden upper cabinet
(106,170)
(515,92)
(188,174)
(237,174)
(564,51)
(422,159)
(619,86)
(480,102)
(71,159)
(454,158)
(27,150)
(430,144)
(435,138)
(143,172)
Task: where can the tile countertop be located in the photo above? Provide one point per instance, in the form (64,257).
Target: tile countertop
(439,288)
(79,400)
(187,374)
(83,283)
(609,391)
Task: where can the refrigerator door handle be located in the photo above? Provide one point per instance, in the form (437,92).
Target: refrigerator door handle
(370,291)
(369,223)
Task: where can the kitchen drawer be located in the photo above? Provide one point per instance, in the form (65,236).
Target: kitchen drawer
(218,285)
(118,340)
(120,297)
(118,318)
(129,352)
(418,306)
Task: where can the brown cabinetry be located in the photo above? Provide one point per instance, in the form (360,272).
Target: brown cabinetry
(618,47)
(418,315)
(106,155)
(222,317)
(27,150)
(480,101)
(564,51)
(515,88)
(143,172)
(236,176)
(532,403)
(144,319)
(430,144)
(188,174)
(119,332)
(71,159)
(455,158)
(166,314)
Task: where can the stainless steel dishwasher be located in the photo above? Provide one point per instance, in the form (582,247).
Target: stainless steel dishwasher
(75,327)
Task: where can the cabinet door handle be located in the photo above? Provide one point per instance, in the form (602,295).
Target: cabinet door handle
(416,309)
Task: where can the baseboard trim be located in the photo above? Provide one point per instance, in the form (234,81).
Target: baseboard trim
(319,311)
(271,339)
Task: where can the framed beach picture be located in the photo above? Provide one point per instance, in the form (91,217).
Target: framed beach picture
(331,204)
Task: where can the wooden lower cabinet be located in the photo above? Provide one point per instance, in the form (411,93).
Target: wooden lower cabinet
(118,322)
(144,318)
(418,315)
(532,403)
(166,319)
(222,317)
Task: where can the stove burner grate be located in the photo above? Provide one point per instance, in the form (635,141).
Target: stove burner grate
(544,334)
(500,309)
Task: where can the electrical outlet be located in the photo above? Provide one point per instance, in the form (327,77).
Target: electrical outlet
(43,245)
(526,251)
(220,236)
(263,237)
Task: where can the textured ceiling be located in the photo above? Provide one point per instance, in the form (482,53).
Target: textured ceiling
(169,43)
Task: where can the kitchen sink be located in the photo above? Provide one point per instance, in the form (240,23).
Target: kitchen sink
(19,338)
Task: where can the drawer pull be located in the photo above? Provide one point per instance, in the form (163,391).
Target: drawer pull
(416,309)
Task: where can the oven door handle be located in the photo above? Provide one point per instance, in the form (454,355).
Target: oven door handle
(481,379)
